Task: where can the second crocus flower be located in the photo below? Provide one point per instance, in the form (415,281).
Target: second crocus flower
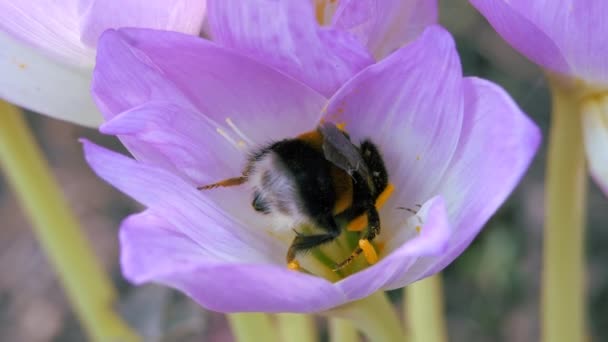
(567,38)
(48,47)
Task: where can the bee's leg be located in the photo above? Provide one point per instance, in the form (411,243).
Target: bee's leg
(303,242)
(224,183)
(367,235)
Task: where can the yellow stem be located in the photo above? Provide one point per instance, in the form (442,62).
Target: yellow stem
(423,305)
(88,288)
(297,327)
(374,316)
(566,186)
(341,330)
(252,327)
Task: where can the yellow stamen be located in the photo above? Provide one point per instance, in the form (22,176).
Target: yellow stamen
(368,251)
(341,126)
(385,195)
(294,265)
(418,229)
(358,224)
(320,11)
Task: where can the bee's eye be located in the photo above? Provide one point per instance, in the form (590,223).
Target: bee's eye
(259,204)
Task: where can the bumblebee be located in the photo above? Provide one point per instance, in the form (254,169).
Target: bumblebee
(318,178)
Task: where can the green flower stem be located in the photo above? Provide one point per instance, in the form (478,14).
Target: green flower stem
(375,316)
(87,286)
(423,305)
(252,327)
(341,330)
(297,327)
(562,284)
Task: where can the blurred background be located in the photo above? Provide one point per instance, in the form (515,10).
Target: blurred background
(491,291)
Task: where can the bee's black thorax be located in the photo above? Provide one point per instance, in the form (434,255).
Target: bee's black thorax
(311,173)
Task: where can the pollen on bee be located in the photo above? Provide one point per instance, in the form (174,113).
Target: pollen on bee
(368,251)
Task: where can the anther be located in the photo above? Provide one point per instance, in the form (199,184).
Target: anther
(228,137)
(368,251)
(385,195)
(239,132)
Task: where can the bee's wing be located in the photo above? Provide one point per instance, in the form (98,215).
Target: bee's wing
(340,151)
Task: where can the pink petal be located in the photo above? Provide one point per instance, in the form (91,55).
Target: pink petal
(172,15)
(410,104)
(150,247)
(285,35)
(521,25)
(256,288)
(154,251)
(179,139)
(385,25)
(136,66)
(48,25)
(194,214)
(432,240)
(496,148)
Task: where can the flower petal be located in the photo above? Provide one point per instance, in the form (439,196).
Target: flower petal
(385,25)
(285,35)
(136,66)
(172,15)
(194,214)
(582,36)
(187,144)
(497,146)
(30,79)
(524,33)
(410,105)
(595,134)
(49,25)
(150,247)
(432,240)
(178,139)
(255,288)
(153,250)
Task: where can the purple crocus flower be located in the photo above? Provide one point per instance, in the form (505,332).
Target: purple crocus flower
(48,47)
(184,107)
(337,39)
(567,38)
